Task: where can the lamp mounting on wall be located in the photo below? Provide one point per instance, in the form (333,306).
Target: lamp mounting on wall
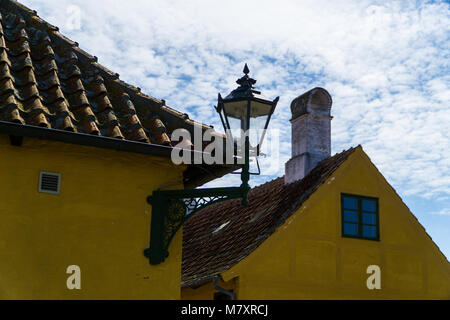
(243,109)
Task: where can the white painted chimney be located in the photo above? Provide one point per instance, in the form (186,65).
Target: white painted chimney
(311,133)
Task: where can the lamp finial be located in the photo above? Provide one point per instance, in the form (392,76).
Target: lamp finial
(246,70)
(246,81)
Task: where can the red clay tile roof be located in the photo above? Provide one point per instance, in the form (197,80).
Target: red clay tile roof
(46,80)
(221,235)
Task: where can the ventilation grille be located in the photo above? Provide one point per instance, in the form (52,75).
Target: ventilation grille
(49,182)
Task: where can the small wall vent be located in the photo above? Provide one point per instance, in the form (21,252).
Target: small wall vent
(49,182)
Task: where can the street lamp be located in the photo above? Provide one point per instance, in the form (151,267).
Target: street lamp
(244,110)
(249,107)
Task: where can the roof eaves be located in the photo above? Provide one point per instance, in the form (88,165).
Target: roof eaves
(23,130)
(198,283)
(195,176)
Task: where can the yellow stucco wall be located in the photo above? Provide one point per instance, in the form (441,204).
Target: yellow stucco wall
(100,221)
(307,258)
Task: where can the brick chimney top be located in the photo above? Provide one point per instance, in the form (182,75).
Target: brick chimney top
(311,133)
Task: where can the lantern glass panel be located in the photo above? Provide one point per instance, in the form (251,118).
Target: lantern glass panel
(258,123)
(235,113)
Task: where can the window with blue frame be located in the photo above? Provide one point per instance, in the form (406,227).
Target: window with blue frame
(360,217)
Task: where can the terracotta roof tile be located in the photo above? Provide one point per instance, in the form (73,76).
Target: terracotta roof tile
(47,80)
(222,234)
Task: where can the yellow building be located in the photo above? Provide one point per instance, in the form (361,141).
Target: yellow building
(80,151)
(331,228)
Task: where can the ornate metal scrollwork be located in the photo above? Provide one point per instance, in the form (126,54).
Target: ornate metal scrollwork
(172,208)
(174,219)
(195,204)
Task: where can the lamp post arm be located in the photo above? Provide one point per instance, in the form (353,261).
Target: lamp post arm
(172,208)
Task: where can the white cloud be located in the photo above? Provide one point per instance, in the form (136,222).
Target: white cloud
(445,211)
(385,64)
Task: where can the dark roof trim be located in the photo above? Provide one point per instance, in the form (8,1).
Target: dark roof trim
(83,139)
(195,175)
(198,283)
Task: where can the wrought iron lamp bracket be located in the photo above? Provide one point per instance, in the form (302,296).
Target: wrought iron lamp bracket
(172,208)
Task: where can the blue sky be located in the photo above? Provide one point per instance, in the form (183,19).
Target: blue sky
(385,63)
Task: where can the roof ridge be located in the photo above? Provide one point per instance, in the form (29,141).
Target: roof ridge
(318,164)
(266,183)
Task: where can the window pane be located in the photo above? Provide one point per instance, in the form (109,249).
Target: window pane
(350,203)
(368,205)
(350,216)
(369,232)
(350,229)
(369,218)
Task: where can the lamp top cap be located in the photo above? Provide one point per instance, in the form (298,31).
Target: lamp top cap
(246,81)
(245,91)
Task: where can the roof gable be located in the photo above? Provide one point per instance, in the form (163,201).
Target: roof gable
(221,235)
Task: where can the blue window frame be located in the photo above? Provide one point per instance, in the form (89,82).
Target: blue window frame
(360,217)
